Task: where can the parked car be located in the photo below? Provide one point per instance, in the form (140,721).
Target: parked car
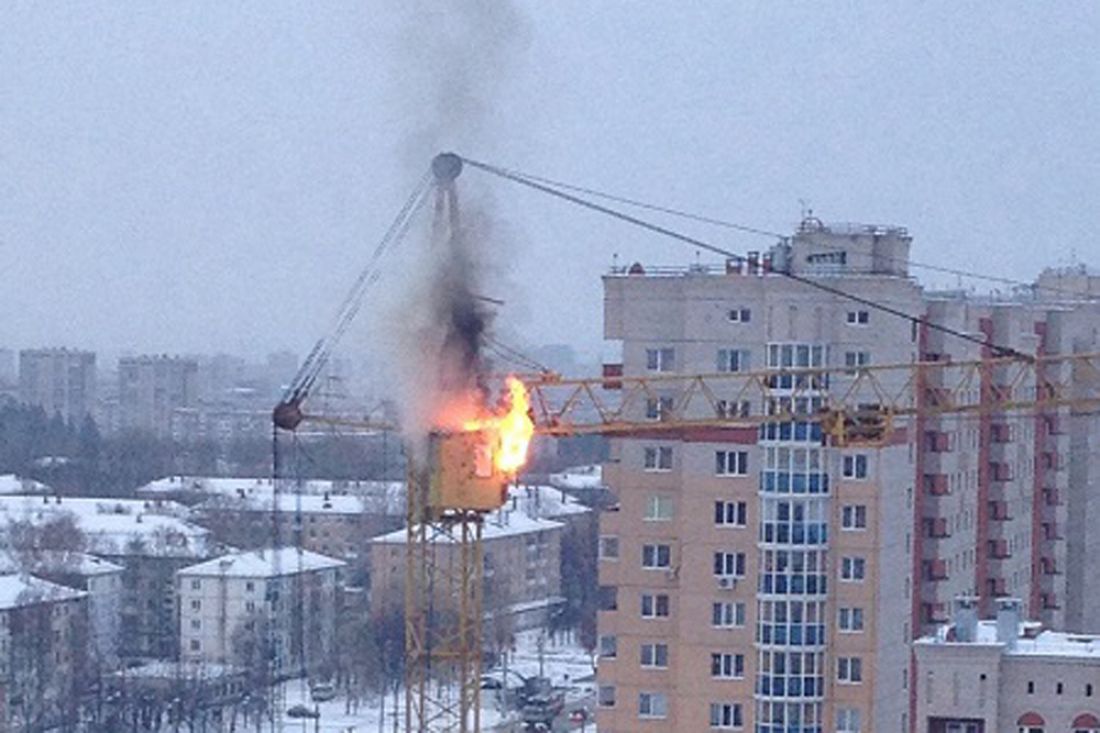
(301,711)
(322,691)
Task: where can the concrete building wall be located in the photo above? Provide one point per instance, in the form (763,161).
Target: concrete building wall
(150,388)
(60,381)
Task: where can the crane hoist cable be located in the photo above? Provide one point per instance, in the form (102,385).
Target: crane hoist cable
(521,179)
(287,414)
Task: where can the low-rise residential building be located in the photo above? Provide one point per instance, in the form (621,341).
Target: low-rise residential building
(151,540)
(521,556)
(43,639)
(1004,674)
(284,600)
(101,579)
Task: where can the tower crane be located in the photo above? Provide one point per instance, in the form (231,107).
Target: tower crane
(466,467)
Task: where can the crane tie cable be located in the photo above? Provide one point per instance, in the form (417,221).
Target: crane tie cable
(701,244)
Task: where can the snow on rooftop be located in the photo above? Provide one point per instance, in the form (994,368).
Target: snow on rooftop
(544,501)
(165,670)
(57,561)
(579,478)
(12,484)
(267,563)
(1030,640)
(383,498)
(259,486)
(501,523)
(18,590)
(116,526)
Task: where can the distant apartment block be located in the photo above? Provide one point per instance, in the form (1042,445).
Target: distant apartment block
(1005,674)
(151,388)
(284,598)
(759,577)
(42,645)
(60,381)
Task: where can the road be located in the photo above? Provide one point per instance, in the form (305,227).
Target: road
(562,723)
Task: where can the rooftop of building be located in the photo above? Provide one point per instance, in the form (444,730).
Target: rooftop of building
(579,478)
(1031,640)
(501,523)
(67,562)
(165,670)
(20,589)
(116,527)
(265,563)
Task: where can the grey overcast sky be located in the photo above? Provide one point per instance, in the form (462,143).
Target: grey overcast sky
(209,176)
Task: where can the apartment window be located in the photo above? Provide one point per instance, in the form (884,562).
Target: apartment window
(659,408)
(659,508)
(853,516)
(609,547)
(654,656)
(726,715)
(658,458)
(727,614)
(652,705)
(731,463)
(728,409)
(847,720)
(609,646)
(250,586)
(850,619)
(734,360)
(855,466)
(656,557)
(852,568)
(196,624)
(608,597)
(606,696)
(858,318)
(730,513)
(727,666)
(849,670)
(1031,729)
(250,606)
(195,645)
(855,359)
(660,360)
(655,605)
(729,564)
(740,315)
(196,605)
(956,726)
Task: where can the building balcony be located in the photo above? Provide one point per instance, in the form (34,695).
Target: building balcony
(1050,601)
(1000,433)
(997,587)
(1050,566)
(1052,497)
(998,549)
(1001,471)
(936,441)
(998,511)
(1051,461)
(1052,532)
(935,569)
(936,528)
(936,484)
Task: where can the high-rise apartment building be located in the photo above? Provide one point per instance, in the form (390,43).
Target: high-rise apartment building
(765,579)
(60,381)
(150,388)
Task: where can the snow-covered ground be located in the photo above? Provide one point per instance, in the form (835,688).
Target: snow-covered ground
(563,661)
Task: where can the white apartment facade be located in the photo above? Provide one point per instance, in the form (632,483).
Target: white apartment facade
(284,600)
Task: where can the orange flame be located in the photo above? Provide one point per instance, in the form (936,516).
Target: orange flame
(511,428)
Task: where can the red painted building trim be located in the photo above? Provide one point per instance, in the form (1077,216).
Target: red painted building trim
(985,453)
(917,532)
(740,434)
(1035,601)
